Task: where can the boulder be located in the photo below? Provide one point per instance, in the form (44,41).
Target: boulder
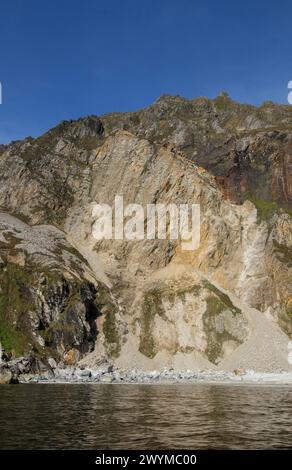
(5,376)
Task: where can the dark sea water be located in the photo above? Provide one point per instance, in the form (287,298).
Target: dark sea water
(180,416)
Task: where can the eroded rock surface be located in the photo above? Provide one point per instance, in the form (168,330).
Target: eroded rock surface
(66,295)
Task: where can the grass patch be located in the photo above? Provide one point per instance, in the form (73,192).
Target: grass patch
(152,306)
(265,209)
(217,302)
(283,253)
(15,303)
(224,299)
(11,339)
(215,339)
(111,333)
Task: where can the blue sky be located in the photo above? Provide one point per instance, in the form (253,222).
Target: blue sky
(69,58)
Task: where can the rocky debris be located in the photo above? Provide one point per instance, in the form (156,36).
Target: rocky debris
(135,376)
(5,376)
(116,375)
(11,370)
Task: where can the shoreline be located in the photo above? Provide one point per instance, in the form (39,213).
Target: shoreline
(165,377)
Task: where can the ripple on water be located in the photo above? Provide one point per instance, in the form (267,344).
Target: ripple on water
(197,416)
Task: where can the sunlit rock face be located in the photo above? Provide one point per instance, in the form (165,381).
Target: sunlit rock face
(149,302)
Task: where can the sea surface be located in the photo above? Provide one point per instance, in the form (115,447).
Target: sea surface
(195,416)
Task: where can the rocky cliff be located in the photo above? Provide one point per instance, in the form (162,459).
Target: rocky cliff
(148,303)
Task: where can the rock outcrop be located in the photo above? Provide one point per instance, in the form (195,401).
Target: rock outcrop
(67,296)
(50,300)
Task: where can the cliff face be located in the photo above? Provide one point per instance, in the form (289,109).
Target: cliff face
(248,149)
(147,303)
(50,301)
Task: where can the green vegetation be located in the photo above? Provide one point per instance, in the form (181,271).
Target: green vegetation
(215,338)
(265,209)
(15,303)
(41,145)
(19,215)
(224,299)
(289,309)
(285,322)
(11,339)
(152,306)
(106,307)
(111,334)
(217,303)
(223,102)
(19,307)
(283,253)
(59,330)
(214,305)
(89,143)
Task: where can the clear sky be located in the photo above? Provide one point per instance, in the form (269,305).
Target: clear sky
(62,59)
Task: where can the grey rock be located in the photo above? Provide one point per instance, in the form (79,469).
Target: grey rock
(106,378)
(52,363)
(5,376)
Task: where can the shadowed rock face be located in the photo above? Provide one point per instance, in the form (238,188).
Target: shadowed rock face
(248,149)
(49,298)
(142,299)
